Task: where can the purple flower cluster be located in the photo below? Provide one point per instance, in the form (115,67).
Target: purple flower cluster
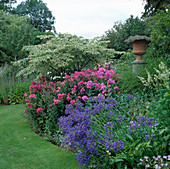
(119,119)
(109,126)
(149,137)
(129,96)
(77,127)
(147,121)
(142,121)
(114,145)
(133,127)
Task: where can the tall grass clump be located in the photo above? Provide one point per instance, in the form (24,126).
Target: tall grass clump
(12,88)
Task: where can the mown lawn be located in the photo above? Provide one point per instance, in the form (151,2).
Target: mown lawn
(21,148)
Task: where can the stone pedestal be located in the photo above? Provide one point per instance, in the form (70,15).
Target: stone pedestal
(138,67)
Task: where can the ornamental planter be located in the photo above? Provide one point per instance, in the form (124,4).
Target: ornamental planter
(139,49)
(139,46)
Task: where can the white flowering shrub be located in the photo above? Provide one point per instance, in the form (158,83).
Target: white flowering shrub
(161,79)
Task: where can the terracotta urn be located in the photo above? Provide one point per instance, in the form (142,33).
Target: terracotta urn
(139,46)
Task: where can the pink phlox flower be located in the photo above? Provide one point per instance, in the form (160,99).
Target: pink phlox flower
(111,81)
(100,76)
(29,104)
(88,76)
(26,111)
(39,110)
(75,86)
(73,90)
(39,87)
(60,96)
(104,91)
(34,86)
(56,102)
(103,70)
(67,76)
(118,93)
(76,74)
(89,84)
(58,88)
(32,96)
(79,83)
(78,97)
(82,89)
(33,83)
(25,94)
(50,105)
(42,79)
(43,95)
(98,85)
(68,99)
(83,69)
(43,85)
(54,90)
(51,83)
(116,87)
(109,90)
(108,85)
(30,87)
(102,87)
(100,95)
(118,82)
(26,100)
(72,101)
(108,74)
(63,94)
(85,98)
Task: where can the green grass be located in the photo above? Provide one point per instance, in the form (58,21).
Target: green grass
(21,148)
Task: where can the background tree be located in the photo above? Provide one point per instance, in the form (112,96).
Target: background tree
(40,16)
(5,5)
(15,32)
(152,6)
(159,26)
(121,31)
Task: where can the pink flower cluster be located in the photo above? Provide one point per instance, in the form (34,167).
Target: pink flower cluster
(39,110)
(77,87)
(102,81)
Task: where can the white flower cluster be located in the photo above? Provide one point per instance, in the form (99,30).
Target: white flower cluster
(161,78)
(157,162)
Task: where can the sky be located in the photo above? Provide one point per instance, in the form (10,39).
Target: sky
(91,18)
